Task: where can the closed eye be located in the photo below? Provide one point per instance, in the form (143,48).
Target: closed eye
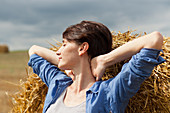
(64,42)
(64,45)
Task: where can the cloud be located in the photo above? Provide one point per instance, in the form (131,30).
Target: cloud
(36,20)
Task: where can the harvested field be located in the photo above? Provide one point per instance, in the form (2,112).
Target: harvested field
(12,69)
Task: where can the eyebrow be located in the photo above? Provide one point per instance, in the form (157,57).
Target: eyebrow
(64,41)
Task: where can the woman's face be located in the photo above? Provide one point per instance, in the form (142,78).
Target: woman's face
(68,55)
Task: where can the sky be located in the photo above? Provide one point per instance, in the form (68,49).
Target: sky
(24,23)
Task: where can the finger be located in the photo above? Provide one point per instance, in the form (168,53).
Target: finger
(71,72)
(97,78)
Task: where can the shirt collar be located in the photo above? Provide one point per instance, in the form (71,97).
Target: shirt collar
(95,87)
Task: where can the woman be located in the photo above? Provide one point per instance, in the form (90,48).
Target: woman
(86,50)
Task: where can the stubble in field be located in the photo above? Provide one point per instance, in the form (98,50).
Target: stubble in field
(12,69)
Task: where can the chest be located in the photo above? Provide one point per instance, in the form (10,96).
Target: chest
(60,107)
(72,99)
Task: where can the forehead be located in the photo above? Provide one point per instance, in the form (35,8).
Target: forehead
(70,42)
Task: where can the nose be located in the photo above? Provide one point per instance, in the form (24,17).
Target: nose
(58,53)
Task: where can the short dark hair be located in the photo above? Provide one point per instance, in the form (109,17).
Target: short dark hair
(95,34)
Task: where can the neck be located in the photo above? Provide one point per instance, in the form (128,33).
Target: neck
(83,78)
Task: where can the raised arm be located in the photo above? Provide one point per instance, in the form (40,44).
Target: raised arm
(99,64)
(45,53)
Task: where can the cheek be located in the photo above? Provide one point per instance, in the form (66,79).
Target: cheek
(69,59)
(68,62)
(70,52)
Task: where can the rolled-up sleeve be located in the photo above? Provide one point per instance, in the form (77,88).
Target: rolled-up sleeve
(45,70)
(133,73)
(143,62)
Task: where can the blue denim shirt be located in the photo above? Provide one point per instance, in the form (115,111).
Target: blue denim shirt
(104,96)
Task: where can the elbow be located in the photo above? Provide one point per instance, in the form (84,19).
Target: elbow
(32,50)
(157,40)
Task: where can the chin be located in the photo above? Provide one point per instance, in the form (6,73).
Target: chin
(62,67)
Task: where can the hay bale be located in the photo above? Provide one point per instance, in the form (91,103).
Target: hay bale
(167,44)
(153,96)
(4,48)
(31,97)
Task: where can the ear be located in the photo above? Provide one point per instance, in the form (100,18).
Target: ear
(83,48)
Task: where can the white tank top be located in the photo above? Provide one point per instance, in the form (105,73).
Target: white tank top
(60,107)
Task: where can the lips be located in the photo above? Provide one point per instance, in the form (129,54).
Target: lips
(59,58)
